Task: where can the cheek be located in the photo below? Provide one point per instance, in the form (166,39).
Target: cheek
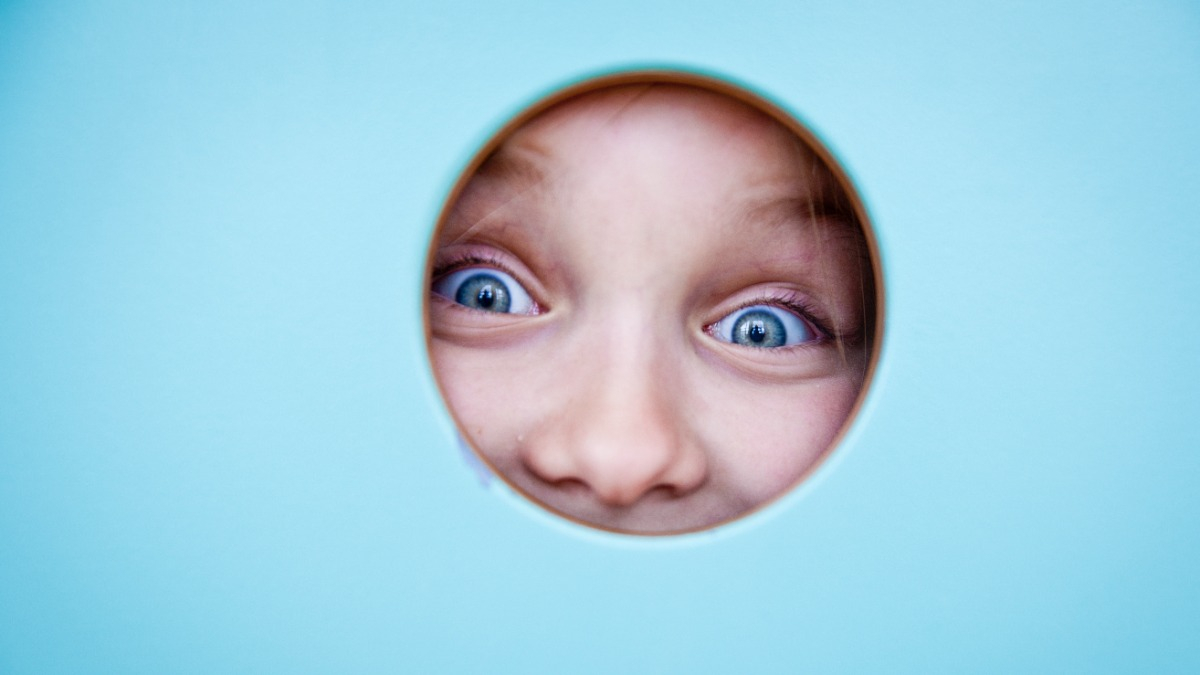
(764,438)
(478,387)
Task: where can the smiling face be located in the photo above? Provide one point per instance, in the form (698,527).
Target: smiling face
(650,308)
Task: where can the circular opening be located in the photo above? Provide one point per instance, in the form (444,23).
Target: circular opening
(654,303)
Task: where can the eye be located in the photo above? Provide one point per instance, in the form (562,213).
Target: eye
(764,326)
(485,289)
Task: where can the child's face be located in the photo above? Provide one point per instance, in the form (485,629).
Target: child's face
(648,309)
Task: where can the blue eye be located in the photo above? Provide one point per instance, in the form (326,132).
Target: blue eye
(485,289)
(764,326)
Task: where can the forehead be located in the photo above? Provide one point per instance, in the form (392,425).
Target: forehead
(656,125)
(684,150)
(666,143)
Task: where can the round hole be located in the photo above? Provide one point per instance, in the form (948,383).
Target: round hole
(653,302)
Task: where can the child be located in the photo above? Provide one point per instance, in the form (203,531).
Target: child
(652,307)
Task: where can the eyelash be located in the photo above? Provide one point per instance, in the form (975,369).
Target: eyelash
(465,260)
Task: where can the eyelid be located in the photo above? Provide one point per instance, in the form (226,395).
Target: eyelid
(467,258)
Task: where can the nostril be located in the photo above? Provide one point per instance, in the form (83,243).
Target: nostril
(570,485)
(663,493)
(688,473)
(550,464)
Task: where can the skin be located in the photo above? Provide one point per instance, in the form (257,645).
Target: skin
(637,218)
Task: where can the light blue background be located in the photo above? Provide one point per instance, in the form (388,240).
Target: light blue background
(221,451)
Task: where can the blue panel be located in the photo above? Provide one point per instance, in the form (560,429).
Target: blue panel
(221,449)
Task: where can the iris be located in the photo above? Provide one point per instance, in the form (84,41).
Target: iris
(484,291)
(759,328)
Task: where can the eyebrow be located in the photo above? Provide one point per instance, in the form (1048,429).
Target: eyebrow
(807,209)
(507,174)
(832,219)
(520,166)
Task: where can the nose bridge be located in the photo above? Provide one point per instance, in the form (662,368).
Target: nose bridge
(631,401)
(626,355)
(636,352)
(620,429)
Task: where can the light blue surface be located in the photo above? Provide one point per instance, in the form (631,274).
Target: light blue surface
(220,446)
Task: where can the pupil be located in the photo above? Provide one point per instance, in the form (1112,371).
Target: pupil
(487,296)
(758,332)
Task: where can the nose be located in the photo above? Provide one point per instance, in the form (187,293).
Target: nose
(620,432)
